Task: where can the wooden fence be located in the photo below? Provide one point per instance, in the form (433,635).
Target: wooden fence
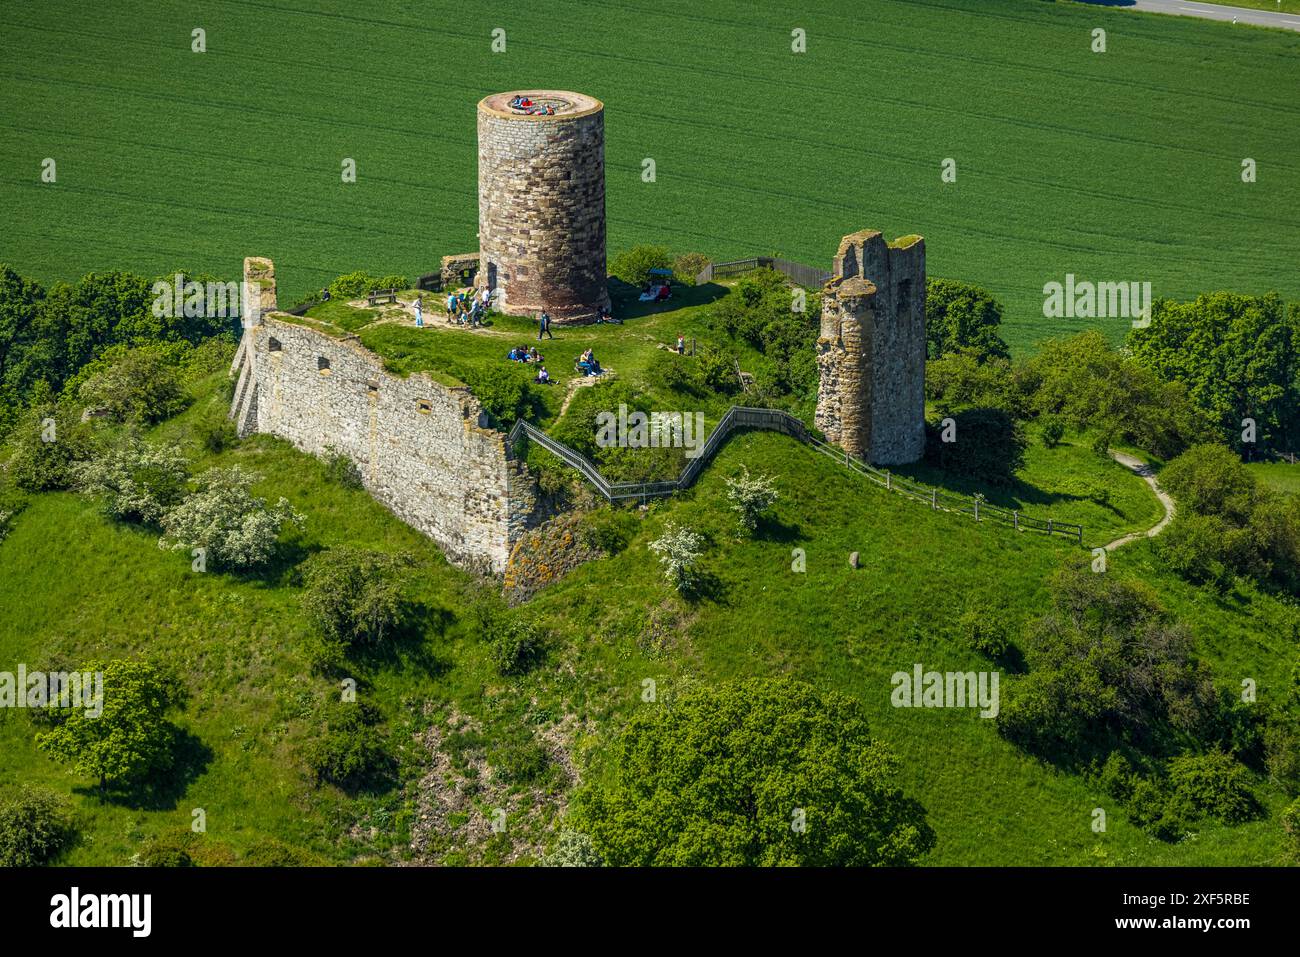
(809,277)
(740,417)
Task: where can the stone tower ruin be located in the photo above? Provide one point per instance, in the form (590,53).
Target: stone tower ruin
(871,350)
(541,203)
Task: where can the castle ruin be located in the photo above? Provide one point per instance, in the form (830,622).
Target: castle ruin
(871,349)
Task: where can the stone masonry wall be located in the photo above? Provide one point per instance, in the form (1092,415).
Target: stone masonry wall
(541,184)
(871,350)
(423,449)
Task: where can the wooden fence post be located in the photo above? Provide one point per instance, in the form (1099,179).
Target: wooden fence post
(1015,518)
(889,480)
(934,499)
(1049,526)
(977,510)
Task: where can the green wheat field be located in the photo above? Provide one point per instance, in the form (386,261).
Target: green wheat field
(1115,166)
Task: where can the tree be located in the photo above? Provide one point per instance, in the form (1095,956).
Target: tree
(134,385)
(221,515)
(1238,356)
(960,316)
(131,739)
(750,497)
(48,443)
(679,551)
(762,772)
(354,597)
(139,480)
(35,824)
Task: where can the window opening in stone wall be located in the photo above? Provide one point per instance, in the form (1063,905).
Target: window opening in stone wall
(323,365)
(424,406)
(274,345)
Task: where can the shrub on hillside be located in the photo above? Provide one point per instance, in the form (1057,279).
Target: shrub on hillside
(340,469)
(236,528)
(982,630)
(750,496)
(135,385)
(1291,827)
(520,762)
(1052,430)
(216,434)
(165,850)
(350,752)
(783,752)
(516,644)
(138,480)
(671,371)
(47,444)
(609,529)
(503,391)
(633,265)
(35,825)
(1194,547)
(1212,785)
(715,370)
(354,598)
(679,550)
(269,852)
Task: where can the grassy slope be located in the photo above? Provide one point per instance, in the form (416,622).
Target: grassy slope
(74,584)
(1123,166)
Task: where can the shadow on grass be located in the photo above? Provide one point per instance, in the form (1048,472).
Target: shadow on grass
(161,792)
(775,530)
(627,305)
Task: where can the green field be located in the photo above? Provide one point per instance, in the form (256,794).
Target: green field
(1123,166)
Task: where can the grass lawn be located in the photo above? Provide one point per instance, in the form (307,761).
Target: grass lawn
(1123,166)
(1282,476)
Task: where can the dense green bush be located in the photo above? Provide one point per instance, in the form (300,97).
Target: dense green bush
(1052,430)
(35,825)
(165,850)
(959,316)
(503,391)
(1212,785)
(354,598)
(686,266)
(350,752)
(131,742)
(981,629)
(269,852)
(141,384)
(750,496)
(48,443)
(633,265)
(610,529)
(356,285)
(517,644)
(763,772)
(1194,547)
(340,469)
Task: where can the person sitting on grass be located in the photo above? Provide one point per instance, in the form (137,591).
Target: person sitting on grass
(543,377)
(534,355)
(514,355)
(664,293)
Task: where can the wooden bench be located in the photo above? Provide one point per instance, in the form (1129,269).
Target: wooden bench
(388,295)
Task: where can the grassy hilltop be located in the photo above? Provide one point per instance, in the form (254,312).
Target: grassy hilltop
(76,584)
(1122,166)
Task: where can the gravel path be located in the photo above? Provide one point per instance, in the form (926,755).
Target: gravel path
(1148,475)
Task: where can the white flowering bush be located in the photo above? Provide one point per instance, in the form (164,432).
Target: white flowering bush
(679,552)
(750,497)
(139,481)
(238,529)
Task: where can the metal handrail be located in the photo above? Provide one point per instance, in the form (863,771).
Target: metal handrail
(776,420)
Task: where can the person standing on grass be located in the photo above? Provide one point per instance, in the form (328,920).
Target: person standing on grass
(543,326)
(451,306)
(681,345)
(419,312)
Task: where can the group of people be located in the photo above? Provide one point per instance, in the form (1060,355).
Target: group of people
(468,308)
(527,354)
(656,292)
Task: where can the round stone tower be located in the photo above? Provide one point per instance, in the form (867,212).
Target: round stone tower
(541,203)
